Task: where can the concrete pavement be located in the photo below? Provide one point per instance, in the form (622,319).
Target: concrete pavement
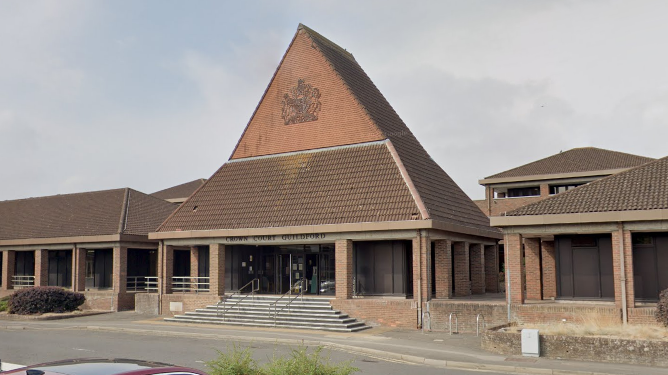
(435,349)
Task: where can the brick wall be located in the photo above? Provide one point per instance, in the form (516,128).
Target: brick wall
(461,269)
(502,205)
(443,260)
(628,267)
(341,121)
(189,302)
(380,312)
(549,266)
(491,268)
(642,315)
(344,268)
(120,265)
(514,268)
(557,313)
(477,256)
(493,313)
(8,264)
(108,301)
(217,269)
(532,264)
(41,267)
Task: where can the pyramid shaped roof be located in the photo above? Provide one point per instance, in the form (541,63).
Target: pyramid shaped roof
(325,147)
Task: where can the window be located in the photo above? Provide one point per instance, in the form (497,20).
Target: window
(524,192)
(556,189)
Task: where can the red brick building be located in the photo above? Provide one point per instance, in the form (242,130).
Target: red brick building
(329,186)
(605,242)
(95,243)
(535,181)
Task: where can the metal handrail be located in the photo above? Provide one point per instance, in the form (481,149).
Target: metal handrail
(477,321)
(302,287)
(185,284)
(23,281)
(456,323)
(139,284)
(252,292)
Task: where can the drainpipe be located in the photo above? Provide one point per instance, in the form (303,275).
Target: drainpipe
(622,268)
(507,274)
(161,261)
(419,281)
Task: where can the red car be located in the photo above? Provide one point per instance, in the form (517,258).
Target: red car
(104,367)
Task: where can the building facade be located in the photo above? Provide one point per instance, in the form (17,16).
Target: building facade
(95,243)
(535,181)
(604,242)
(329,192)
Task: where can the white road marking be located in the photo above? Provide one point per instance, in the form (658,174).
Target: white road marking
(83,350)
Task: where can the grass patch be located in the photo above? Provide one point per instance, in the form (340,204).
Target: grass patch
(601,326)
(239,361)
(4,302)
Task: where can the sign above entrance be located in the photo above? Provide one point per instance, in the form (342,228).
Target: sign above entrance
(276,238)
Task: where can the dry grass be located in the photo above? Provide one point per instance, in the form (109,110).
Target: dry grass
(601,326)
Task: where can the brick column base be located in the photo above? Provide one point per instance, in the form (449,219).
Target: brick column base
(343,255)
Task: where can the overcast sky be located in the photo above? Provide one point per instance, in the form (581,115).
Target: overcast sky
(150,94)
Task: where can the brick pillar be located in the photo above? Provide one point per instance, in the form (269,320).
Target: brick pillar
(461,269)
(217,269)
(532,264)
(41,267)
(120,266)
(628,267)
(477,258)
(194,261)
(343,255)
(8,266)
(544,190)
(514,268)
(491,269)
(166,268)
(549,270)
(79,273)
(443,260)
(421,274)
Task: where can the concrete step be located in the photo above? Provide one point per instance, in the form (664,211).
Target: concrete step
(306,313)
(358,326)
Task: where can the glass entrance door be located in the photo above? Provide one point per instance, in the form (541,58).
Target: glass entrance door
(267,274)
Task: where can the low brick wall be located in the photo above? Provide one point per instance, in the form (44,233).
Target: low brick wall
(642,315)
(186,302)
(378,311)
(108,300)
(538,313)
(597,349)
(493,314)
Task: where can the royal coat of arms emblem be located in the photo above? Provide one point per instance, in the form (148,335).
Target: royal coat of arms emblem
(301,104)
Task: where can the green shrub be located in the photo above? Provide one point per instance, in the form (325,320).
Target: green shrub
(44,299)
(662,308)
(240,362)
(237,361)
(4,301)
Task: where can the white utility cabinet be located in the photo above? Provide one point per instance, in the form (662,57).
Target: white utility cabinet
(530,343)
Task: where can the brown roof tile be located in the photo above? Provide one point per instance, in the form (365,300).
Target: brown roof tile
(331,186)
(641,188)
(584,159)
(443,198)
(82,214)
(180,191)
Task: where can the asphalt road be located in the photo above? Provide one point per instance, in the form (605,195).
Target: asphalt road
(30,346)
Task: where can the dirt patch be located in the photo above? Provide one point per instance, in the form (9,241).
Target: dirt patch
(50,316)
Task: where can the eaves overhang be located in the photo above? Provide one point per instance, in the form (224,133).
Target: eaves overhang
(73,240)
(553,176)
(329,228)
(580,218)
